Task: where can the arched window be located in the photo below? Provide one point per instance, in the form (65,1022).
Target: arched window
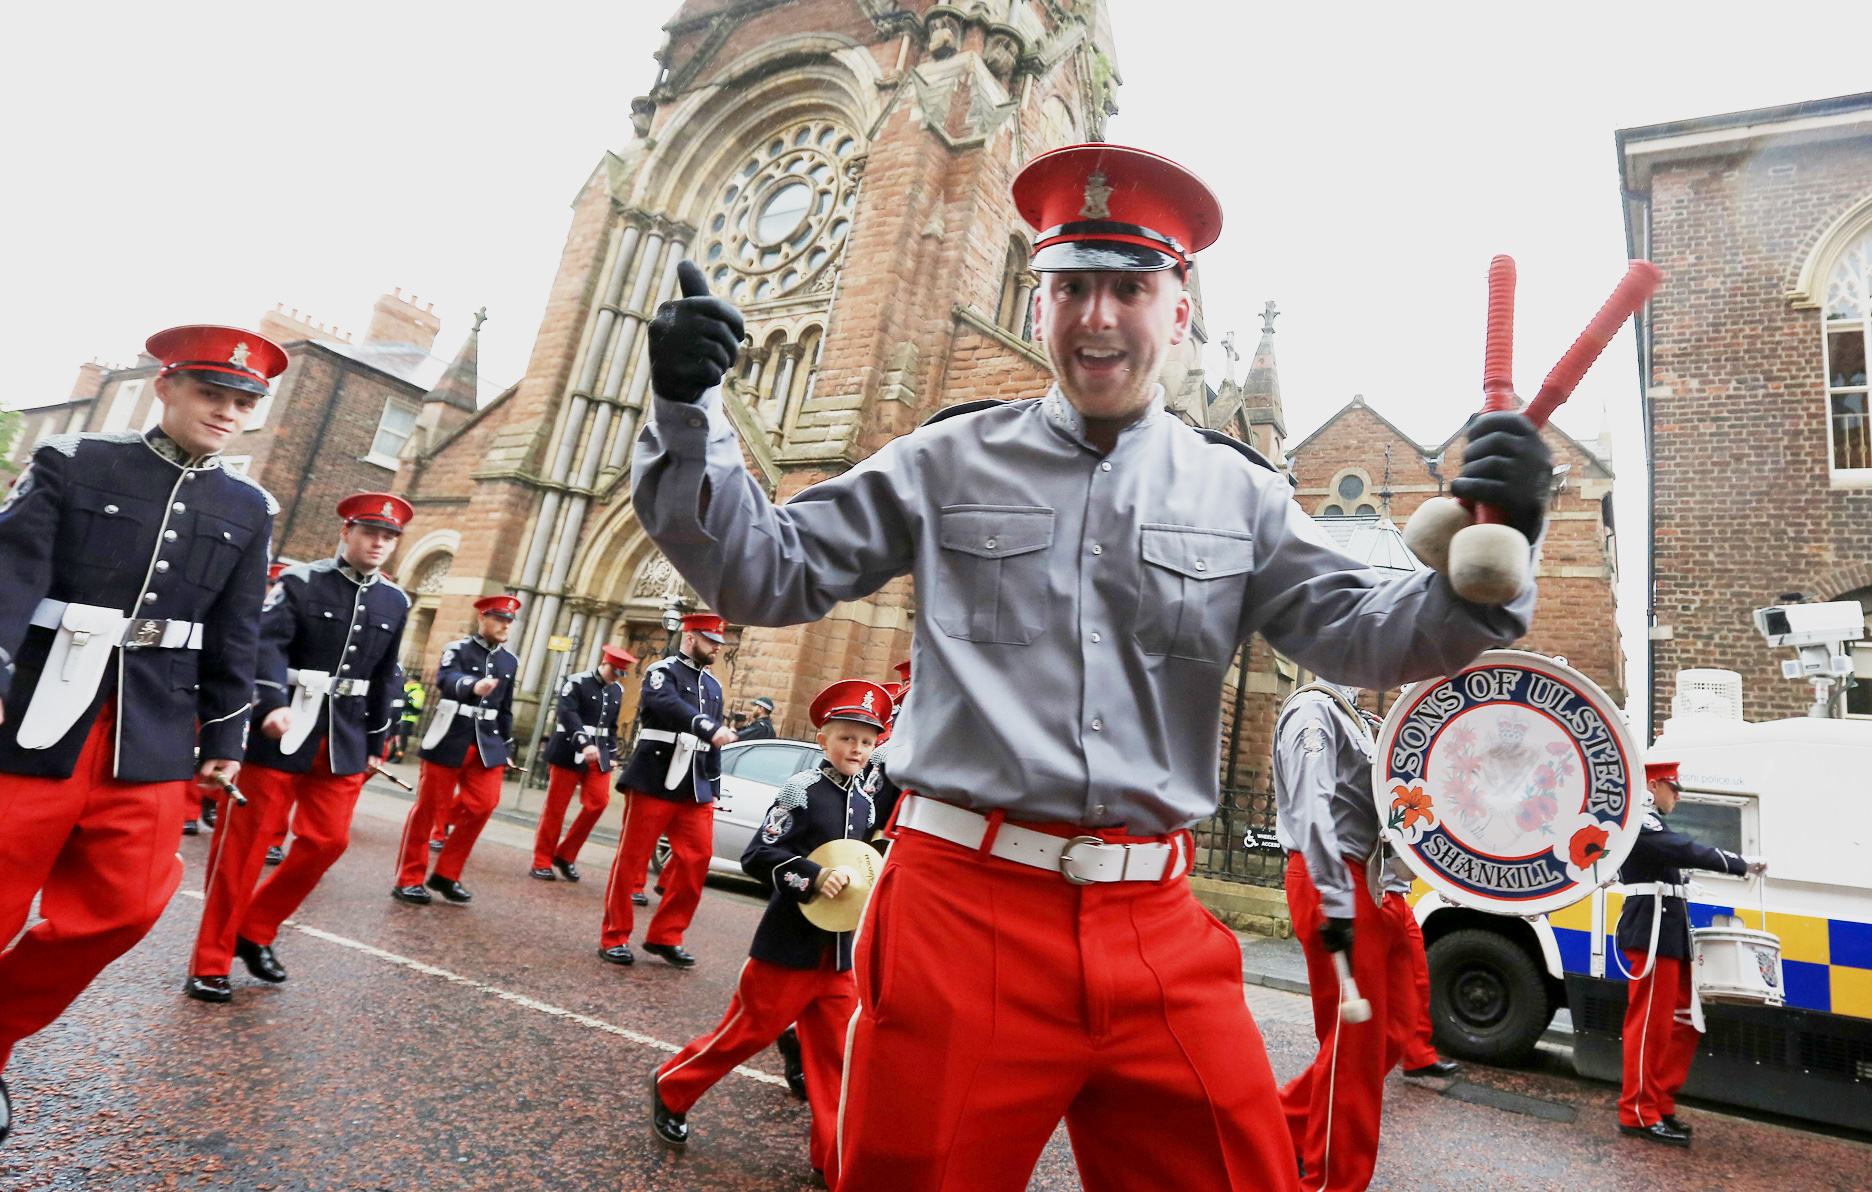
(781,219)
(1350,495)
(1846,328)
(1015,310)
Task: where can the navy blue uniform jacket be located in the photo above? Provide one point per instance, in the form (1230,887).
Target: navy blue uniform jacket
(1661,855)
(126,521)
(813,807)
(320,617)
(677,698)
(758,729)
(465,663)
(588,715)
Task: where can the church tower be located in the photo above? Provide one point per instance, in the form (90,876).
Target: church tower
(839,169)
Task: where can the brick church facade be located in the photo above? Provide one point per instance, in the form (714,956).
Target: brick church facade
(1753,361)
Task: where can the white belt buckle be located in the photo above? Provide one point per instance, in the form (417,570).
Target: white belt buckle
(1067,866)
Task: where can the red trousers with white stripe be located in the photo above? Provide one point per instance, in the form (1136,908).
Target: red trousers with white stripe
(1410,1027)
(239,902)
(1658,1048)
(1332,1108)
(474,791)
(997,999)
(691,831)
(594,792)
(767,1000)
(101,855)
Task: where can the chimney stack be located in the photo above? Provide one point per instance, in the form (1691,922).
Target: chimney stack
(90,377)
(399,320)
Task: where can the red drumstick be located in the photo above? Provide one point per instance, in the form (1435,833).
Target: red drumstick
(1498,353)
(1632,292)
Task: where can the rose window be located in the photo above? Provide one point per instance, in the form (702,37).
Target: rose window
(783,216)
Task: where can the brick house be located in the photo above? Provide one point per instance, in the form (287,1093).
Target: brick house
(1753,362)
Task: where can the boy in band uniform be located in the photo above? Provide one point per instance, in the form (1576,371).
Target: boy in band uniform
(797,972)
(464,754)
(580,757)
(329,635)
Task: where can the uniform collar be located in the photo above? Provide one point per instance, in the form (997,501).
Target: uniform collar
(689,662)
(1063,417)
(173,451)
(484,643)
(831,772)
(344,568)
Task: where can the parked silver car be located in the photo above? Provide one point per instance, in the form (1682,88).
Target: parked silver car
(752,774)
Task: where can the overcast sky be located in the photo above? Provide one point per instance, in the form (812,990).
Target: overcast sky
(196,162)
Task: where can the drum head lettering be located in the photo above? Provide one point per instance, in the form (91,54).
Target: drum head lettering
(1511,786)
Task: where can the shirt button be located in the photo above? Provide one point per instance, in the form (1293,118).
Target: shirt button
(1105,467)
(1099,810)
(149,598)
(162,565)
(1097,549)
(188,475)
(695,422)
(350,649)
(1202,565)
(328,614)
(345,667)
(168,535)
(1096,639)
(1098,726)
(110,508)
(179,507)
(990,544)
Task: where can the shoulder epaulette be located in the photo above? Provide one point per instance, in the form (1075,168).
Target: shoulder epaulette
(793,794)
(303,571)
(961,408)
(1651,823)
(1253,456)
(272,506)
(67,445)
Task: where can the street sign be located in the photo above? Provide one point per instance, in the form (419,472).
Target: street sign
(561,644)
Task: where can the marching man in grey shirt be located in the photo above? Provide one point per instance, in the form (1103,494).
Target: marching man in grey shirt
(1086,566)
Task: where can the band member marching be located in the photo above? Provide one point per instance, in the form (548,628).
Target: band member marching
(1654,934)
(797,972)
(579,757)
(1094,563)
(324,700)
(132,568)
(464,754)
(670,788)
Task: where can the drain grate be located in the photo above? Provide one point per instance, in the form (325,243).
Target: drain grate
(1493,1098)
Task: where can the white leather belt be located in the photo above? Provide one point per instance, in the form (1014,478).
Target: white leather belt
(1081,860)
(138,633)
(1638,889)
(337,686)
(669,738)
(477,712)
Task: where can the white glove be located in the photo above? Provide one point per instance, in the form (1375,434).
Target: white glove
(1757,866)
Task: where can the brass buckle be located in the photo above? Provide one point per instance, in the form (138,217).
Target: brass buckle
(1066,859)
(144,632)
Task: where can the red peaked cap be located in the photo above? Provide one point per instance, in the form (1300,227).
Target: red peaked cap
(619,657)
(903,669)
(1666,771)
(273,571)
(707,624)
(383,510)
(1105,207)
(221,355)
(852,699)
(498,606)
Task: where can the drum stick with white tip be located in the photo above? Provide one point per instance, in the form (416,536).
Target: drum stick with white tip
(1352,1007)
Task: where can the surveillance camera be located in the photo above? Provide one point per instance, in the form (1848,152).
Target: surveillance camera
(1811,624)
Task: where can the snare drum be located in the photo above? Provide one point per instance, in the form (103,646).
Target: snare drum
(1736,964)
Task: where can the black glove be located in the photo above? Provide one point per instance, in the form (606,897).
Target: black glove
(1336,935)
(1507,465)
(693,339)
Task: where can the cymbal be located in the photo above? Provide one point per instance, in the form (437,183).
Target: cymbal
(844,912)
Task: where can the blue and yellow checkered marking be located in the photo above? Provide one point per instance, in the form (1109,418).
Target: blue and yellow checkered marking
(1826,964)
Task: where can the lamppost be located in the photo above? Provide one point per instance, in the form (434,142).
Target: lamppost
(673,610)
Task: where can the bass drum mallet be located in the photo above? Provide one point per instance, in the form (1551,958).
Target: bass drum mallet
(1486,560)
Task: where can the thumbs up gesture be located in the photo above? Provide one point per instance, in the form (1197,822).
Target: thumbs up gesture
(693,339)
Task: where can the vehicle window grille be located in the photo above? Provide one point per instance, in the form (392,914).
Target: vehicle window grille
(1825,1053)
(1745,1040)
(1601,1016)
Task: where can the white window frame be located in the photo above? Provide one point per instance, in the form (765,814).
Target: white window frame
(1859,241)
(122,405)
(1750,806)
(391,462)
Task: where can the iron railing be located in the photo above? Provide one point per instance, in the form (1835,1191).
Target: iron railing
(1236,844)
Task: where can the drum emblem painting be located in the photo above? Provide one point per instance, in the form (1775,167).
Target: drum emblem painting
(1510,785)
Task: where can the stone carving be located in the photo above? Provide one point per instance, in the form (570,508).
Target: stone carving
(653,577)
(434,570)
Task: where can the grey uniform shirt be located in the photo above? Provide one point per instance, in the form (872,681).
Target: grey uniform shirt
(1077,611)
(1323,794)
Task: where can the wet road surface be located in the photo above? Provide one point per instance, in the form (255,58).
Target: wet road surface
(486,1046)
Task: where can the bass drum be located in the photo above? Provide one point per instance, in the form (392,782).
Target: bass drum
(1511,786)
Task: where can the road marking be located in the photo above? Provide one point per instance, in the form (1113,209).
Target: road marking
(518,999)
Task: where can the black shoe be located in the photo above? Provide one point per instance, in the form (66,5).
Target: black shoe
(6,1112)
(640,899)
(566,869)
(191,827)
(415,894)
(259,960)
(618,955)
(544,874)
(788,1043)
(1440,1068)
(448,888)
(275,854)
(671,952)
(1657,1132)
(210,810)
(1670,1119)
(671,1129)
(209,989)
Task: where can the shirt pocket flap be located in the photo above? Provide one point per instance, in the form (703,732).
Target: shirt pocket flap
(1198,553)
(995,531)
